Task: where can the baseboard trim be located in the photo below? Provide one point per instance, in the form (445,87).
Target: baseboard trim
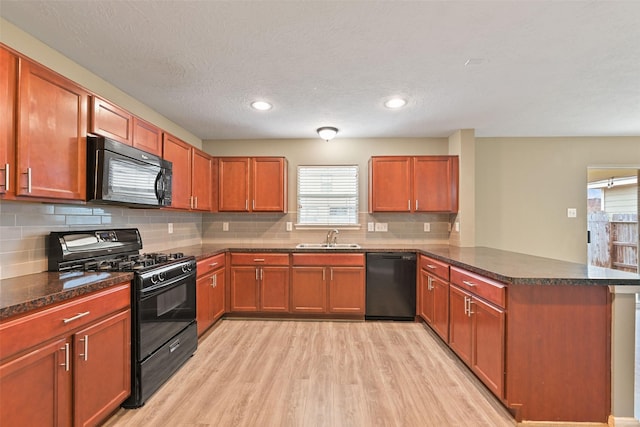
(623,422)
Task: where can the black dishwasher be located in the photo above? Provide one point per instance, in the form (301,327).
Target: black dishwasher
(391,286)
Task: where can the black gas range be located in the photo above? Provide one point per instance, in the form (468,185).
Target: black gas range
(163,306)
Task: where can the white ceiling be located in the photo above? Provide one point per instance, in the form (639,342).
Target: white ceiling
(546,68)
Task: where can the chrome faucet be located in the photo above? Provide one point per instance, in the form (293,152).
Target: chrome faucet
(332,237)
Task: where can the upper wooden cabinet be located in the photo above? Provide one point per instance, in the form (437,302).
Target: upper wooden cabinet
(116,123)
(8,102)
(413,184)
(252,184)
(193,172)
(51,149)
(110,121)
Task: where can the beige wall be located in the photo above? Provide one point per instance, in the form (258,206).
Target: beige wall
(27,45)
(525,185)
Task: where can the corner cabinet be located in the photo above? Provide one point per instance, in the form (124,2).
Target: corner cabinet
(194,173)
(51,148)
(413,184)
(433,295)
(328,284)
(252,184)
(71,361)
(259,282)
(210,291)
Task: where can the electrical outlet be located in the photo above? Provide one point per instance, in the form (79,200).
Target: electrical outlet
(427,227)
(170,228)
(572,212)
(225,226)
(289,226)
(381,226)
(457,227)
(370,226)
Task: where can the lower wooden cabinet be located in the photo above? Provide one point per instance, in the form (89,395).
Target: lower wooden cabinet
(259,282)
(477,327)
(433,295)
(69,364)
(210,291)
(328,283)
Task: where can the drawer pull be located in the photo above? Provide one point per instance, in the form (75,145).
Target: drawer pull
(431,266)
(174,346)
(76,317)
(213,264)
(471,284)
(85,355)
(258,260)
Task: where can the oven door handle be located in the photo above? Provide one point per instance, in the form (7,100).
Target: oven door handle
(160,287)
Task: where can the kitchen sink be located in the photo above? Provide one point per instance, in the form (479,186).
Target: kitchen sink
(328,246)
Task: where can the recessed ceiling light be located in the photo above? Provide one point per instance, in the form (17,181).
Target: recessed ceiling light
(395,103)
(261,105)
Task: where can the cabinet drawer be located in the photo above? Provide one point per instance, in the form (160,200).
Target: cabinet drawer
(209,264)
(488,289)
(329,259)
(433,266)
(259,259)
(35,328)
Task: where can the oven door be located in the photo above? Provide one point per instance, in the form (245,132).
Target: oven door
(163,311)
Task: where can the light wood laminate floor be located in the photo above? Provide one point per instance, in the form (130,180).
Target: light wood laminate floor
(320,373)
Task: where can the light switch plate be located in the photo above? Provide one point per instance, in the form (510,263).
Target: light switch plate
(381,226)
(457,227)
(289,226)
(170,228)
(427,227)
(370,226)
(572,212)
(225,226)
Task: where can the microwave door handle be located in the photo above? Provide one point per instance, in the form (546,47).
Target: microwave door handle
(160,190)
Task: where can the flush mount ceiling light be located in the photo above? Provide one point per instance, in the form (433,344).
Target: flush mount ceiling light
(395,103)
(261,105)
(327,132)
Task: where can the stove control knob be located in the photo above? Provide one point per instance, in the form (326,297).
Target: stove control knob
(187,268)
(154,279)
(161,276)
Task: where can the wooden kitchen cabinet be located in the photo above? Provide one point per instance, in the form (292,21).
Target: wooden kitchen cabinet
(147,137)
(252,184)
(477,326)
(193,175)
(328,283)
(51,148)
(110,121)
(210,291)
(259,282)
(8,104)
(433,295)
(71,361)
(413,184)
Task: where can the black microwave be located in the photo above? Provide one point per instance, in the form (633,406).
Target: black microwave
(120,174)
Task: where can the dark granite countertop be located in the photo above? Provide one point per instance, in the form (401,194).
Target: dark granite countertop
(25,293)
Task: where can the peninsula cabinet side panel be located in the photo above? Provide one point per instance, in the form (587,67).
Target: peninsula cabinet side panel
(559,353)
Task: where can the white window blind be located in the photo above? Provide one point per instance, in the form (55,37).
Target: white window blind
(328,195)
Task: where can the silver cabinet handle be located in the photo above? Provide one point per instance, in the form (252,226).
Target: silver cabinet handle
(409,204)
(431,266)
(416,204)
(66,357)
(213,264)
(213,281)
(257,273)
(196,202)
(331,278)
(323,275)
(76,317)
(470,312)
(466,309)
(253,205)
(429,283)
(28,173)
(261,272)
(246,205)
(85,355)
(468,283)
(258,260)
(6,176)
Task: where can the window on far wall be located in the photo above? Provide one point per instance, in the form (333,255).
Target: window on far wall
(328,195)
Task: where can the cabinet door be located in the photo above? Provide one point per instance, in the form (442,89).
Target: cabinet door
(460,328)
(51,150)
(8,101)
(274,289)
(179,153)
(425,298)
(346,290)
(390,184)
(488,348)
(440,318)
(217,301)
(35,389)
(147,137)
(268,184)
(110,121)
(204,316)
(308,290)
(435,184)
(233,186)
(201,180)
(102,371)
(244,289)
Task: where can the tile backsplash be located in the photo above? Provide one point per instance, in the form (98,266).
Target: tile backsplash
(24,227)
